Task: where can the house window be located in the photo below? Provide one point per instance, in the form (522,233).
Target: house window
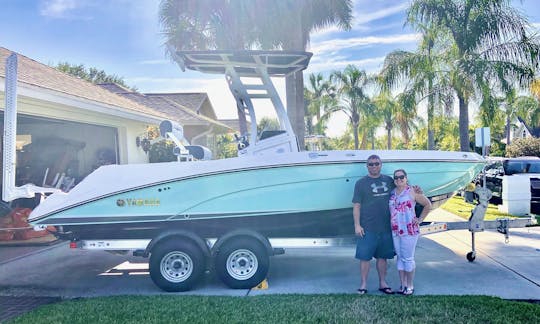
(524,134)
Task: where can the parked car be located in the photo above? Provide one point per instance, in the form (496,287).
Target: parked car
(500,167)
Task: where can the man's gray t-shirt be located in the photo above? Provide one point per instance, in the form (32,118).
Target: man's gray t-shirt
(373,195)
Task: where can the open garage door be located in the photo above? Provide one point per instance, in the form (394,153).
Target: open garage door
(60,153)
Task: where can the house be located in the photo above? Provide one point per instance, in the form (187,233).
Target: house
(519,129)
(67,125)
(194,113)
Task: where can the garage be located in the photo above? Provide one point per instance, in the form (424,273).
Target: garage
(59,153)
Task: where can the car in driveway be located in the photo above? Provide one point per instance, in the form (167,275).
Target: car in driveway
(498,168)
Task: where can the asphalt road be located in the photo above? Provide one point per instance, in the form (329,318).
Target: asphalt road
(507,270)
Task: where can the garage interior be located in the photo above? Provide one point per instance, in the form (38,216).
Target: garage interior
(59,153)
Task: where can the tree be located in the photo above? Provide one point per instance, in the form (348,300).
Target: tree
(351,86)
(490,44)
(406,116)
(388,107)
(267,124)
(297,20)
(91,74)
(319,96)
(423,69)
(249,24)
(226,146)
(535,88)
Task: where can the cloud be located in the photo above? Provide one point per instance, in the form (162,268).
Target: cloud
(334,45)
(58,8)
(361,19)
(323,64)
(364,18)
(155,62)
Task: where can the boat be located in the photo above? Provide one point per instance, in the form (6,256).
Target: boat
(272,187)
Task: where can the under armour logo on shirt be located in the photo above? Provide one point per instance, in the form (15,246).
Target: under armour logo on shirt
(375,188)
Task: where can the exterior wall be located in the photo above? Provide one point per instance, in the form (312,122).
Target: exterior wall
(519,131)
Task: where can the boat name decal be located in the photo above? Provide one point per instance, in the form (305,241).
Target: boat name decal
(138,202)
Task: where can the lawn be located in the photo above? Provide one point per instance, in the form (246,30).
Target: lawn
(457,205)
(338,308)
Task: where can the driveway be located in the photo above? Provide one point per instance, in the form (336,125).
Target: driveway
(507,270)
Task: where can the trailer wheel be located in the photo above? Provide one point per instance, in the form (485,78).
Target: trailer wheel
(176,266)
(242,263)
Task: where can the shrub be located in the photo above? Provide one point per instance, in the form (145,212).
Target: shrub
(162,151)
(524,147)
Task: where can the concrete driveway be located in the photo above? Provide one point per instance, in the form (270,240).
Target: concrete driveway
(508,271)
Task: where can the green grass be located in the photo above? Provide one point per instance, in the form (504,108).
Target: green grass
(285,309)
(457,205)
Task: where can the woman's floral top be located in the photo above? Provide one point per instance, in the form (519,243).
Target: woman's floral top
(402,213)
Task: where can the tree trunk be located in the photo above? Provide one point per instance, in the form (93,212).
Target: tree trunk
(389,140)
(242,123)
(299,125)
(355,132)
(463,124)
(430,109)
(507,129)
(291,101)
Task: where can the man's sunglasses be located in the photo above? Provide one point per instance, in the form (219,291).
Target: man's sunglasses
(400,177)
(374,164)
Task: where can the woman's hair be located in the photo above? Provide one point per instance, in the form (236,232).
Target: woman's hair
(400,170)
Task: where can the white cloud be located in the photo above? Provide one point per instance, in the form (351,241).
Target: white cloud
(364,18)
(58,8)
(332,63)
(331,46)
(155,62)
(361,19)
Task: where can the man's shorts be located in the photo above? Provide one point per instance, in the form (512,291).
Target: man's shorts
(375,245)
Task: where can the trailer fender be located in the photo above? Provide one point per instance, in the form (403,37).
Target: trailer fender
(178,235)
(245,233)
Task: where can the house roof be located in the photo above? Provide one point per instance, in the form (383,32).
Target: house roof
(233,124)
(42,76)
(193,101)
(165,105)
(535,131)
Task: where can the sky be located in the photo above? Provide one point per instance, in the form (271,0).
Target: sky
(122,37)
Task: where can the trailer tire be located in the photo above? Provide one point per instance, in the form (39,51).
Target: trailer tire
(242,263)
(176,265)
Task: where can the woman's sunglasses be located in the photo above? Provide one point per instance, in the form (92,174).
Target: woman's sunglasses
(400,177)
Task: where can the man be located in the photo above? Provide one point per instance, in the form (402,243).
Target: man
(372,223)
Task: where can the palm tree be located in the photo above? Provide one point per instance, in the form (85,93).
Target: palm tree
(297,19)
(424,69)
(353,100)
(535,88)
(250,24)
(406,116)
(319,95)
(387,107)
(490,43)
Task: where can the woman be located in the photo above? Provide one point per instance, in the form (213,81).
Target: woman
(405,227)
